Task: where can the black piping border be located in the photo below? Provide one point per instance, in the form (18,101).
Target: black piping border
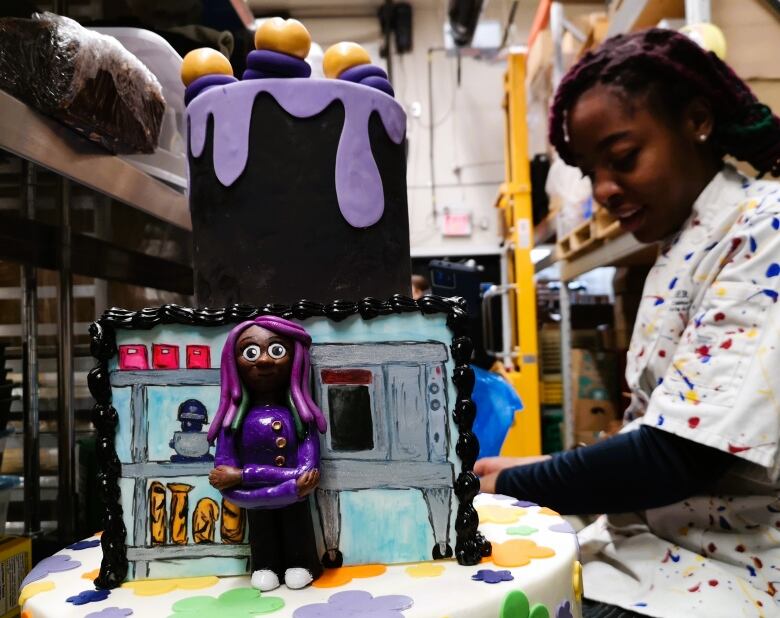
(470,545)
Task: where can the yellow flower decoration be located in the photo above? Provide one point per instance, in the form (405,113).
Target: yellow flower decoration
(90,574)
(155,587)
(30,590)
(519,552)
(576,580)
(493,514)
(333,578)
(545,511)
(425,569)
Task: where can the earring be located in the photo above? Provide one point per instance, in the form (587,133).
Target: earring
(703,137)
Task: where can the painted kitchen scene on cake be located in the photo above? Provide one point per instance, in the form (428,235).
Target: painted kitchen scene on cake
(384,389)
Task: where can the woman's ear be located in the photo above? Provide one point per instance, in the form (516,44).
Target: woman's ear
(698,120)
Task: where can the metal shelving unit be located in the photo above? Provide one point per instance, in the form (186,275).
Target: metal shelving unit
(41,141)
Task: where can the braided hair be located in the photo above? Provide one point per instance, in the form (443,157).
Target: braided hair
(671,70)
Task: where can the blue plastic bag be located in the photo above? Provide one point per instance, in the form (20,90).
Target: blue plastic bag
(496,403)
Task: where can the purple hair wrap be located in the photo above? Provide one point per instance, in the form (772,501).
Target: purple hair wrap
(231,388)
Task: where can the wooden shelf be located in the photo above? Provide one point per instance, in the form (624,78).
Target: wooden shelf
(622,250)
(634,15)
(47,143)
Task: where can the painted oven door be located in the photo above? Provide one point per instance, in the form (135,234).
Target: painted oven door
(351,399)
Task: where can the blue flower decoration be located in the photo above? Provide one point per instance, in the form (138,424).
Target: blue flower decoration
(89,596)
(52,564)
(84,544)
(111,612)
(492,577)
(356,604)
(564,610)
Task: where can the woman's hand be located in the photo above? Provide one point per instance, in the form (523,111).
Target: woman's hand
(225,477)
(490,465)
(307,482)
(488,468)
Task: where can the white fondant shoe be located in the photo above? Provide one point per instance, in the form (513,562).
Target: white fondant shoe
(265,580)
(297,578)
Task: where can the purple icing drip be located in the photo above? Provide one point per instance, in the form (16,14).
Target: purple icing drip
(564,610)
(358,183)
(283,65)
(380,83)
(361,71)
(204,83)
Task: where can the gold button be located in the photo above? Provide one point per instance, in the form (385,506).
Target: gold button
(279,461)
(281,442)
(276,425)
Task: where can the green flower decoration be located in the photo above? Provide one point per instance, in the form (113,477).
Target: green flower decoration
(522,530)
(516,605)
(236,603)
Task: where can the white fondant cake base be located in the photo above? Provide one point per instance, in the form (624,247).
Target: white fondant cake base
(549,578)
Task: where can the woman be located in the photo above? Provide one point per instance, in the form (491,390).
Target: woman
(268,451)
(690,485)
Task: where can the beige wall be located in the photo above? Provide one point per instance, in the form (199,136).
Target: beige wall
(468,123)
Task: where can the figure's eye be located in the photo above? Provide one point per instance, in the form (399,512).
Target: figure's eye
(277,351)
(251,353)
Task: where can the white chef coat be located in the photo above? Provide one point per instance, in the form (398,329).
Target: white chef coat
(704,363)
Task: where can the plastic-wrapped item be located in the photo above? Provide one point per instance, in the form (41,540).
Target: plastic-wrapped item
(82,78)
(572,192)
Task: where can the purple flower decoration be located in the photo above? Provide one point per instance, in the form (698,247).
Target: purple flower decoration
(84,544)
(356,604)
(562,611)
(492,577)
(111,612)
(52,564)
(563,527)
(89,596)
(524,503)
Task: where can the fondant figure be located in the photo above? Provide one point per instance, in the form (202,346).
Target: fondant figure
(267,455)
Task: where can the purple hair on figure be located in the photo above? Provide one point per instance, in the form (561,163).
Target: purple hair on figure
(232,392)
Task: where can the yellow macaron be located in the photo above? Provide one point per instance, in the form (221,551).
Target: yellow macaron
(287,36)
(204,61)
(342,56)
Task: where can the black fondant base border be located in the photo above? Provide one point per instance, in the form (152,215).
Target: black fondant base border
(470,545)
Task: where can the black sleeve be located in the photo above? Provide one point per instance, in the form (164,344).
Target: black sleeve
(631,471)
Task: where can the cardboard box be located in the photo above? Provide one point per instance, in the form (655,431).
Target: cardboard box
(15,564)
(595,395)
(752,30)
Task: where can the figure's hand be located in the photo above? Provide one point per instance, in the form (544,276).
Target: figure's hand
(487,483)
(225,477)
(490,465)
(307,482)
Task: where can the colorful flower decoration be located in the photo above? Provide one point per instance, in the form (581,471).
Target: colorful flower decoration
(576,580)
(235,603)
(30,590)
(425,569)
(521,530)
(90,575)
(89,596)
(492,577)
(518,552)
(356,604)
(333,578)
(154,587)
(545,511)
(111,612)
(516,605)
(84,544)
(563,526)
(52,564)
(494,514)
(564,610)
(524,503)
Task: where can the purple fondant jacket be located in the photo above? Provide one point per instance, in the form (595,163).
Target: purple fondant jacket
(268,451)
